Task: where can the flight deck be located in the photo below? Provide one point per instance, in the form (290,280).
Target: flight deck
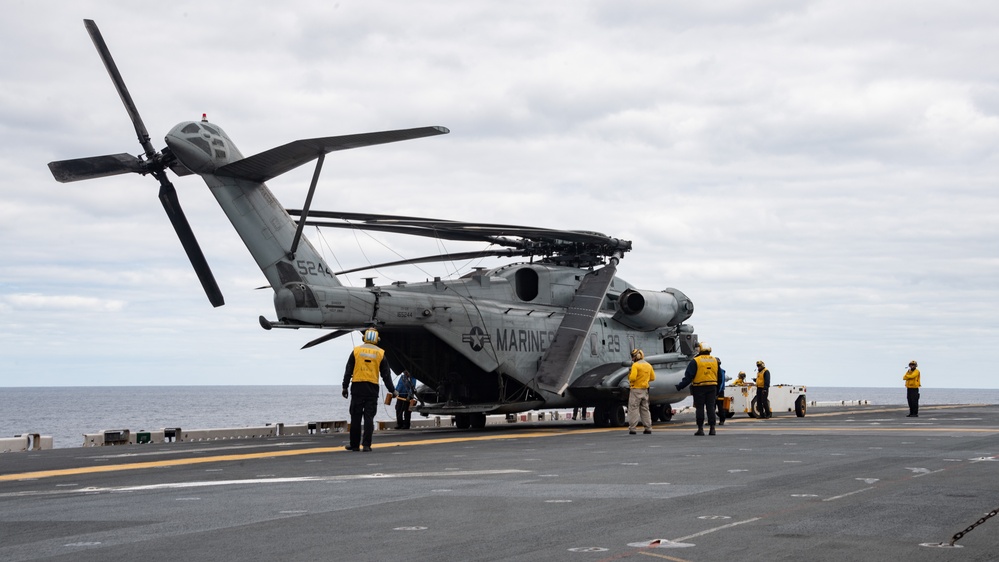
(843,483)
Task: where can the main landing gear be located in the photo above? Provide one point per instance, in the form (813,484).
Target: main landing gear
(609,416)
(615,415)
(465,421)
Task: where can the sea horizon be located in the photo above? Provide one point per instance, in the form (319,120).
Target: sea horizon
(68,412)
(337,384)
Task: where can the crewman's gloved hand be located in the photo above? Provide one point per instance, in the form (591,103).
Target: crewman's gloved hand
(345,393)
(395,394)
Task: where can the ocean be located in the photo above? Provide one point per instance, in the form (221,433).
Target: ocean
(66,413)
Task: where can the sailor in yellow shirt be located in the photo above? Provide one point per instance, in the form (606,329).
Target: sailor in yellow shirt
(702,374)
(911,378)
(763,392)
(639,378)
(741,379)
(364,366)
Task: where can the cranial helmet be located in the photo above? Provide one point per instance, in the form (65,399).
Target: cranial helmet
(912,363)
(704,348)
(760,365)
(371,335)
(742,374)
(637,355)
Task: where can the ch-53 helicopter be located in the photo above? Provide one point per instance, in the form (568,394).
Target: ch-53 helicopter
(555,331)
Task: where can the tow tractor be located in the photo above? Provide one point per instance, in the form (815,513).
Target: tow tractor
(783,398)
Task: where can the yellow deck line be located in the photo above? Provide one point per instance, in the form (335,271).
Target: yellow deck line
(742,425)
(270,454)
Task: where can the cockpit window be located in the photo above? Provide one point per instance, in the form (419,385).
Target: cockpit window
(190,128)
(211,130)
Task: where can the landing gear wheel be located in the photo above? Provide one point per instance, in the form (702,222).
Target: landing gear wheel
(600,416)
(462,421)
(616,416)
(799,406)
(667,413)
(478,420)
(657,412)
(752,408)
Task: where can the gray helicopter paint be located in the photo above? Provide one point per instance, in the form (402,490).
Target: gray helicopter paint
(480,316)
(505,322)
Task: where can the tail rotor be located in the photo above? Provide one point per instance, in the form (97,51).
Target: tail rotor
(154,163)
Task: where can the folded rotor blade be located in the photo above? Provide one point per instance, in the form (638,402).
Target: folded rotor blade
(416,231)
(77,169)
(439,258)
(560,359)
(168,196)
(541,238)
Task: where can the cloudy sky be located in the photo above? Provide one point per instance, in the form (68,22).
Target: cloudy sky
(818,176)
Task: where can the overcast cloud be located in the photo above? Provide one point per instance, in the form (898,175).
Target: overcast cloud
(818,176)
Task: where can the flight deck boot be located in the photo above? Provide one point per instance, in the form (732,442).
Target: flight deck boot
(711,431)
(700,430)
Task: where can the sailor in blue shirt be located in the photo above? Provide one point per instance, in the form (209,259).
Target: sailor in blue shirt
(405,390)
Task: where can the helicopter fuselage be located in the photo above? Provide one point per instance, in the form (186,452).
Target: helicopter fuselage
(475,343)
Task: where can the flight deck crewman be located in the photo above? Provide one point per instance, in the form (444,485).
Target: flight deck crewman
(365,365)
(763,391)
(741,379)
(720,399)
(639,377)
(702,374)
(405,391)
(911,378)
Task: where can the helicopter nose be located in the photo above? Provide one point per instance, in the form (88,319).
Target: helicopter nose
(189,146)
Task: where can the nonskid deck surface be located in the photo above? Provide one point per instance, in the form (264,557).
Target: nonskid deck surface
(856,483)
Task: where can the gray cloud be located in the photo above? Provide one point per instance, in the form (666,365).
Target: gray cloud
(819,177)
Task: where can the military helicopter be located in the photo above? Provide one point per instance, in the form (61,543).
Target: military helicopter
(554,331)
